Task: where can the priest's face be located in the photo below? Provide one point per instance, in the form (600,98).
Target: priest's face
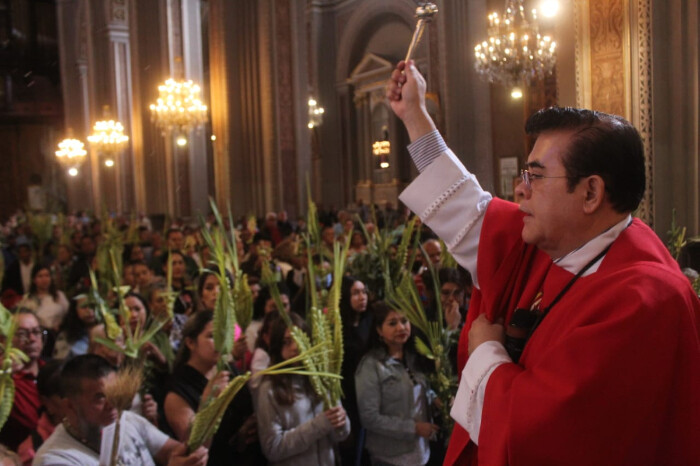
(554,214)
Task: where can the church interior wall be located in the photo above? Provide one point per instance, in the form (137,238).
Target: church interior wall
(264,59)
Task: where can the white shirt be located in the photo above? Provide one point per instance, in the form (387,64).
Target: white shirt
(50,311)
(61,448)
(139,442)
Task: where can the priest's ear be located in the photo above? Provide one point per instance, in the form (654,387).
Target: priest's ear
(593,190)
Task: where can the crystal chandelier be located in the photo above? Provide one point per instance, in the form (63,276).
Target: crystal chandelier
(109,139)
(71,154)
(178,108)
(515,52)
(315,113)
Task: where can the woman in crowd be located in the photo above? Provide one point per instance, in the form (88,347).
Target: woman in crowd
(73,338)
(357,326)
(195,380)
(48,303)
(393,395)
(208,290)
(263,304)
(261,355)
(294,428)
(157,350)
(454,285)
(358,243)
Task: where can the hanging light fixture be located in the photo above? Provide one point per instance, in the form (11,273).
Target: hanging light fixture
(515,52)
(382,149)
(71,154)
(109,139)
(315,113)
(178,108)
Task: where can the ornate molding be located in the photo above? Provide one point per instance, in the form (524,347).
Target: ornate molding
(642,98)
(118,13)
(607,27)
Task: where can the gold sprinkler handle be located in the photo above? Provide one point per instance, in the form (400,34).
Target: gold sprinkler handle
(424,13)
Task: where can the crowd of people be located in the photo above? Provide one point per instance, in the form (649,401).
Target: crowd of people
(61,414)
(580,345)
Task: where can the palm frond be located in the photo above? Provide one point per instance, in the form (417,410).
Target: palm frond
(208,418)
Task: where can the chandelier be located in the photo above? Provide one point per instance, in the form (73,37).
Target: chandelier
(515,52)
(178,108)
(109,139)
(315,113)
(71,154)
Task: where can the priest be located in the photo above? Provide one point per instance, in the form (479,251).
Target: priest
(582,338)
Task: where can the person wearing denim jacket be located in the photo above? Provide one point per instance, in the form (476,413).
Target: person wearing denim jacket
(393,396)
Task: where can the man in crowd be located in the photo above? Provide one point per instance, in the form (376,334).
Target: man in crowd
(85,436)
(17,277)
(28,338)
(175,242)
(600,363)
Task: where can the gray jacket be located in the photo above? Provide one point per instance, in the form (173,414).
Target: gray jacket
(299,434)
(385,402)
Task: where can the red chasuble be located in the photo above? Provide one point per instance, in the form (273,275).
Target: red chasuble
(612,374)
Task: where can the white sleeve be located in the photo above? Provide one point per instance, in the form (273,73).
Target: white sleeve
(451,202)
(469,401)
(154,438)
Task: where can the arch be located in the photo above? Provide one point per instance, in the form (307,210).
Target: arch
(365,18)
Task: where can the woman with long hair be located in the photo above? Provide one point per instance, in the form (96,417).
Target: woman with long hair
(293,426)
(393,395)
(194,381)
(357,326)
(261,356)
(73,337)
(263,304)
(48,303)
(208,291)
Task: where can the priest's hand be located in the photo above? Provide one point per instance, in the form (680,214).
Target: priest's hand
(406,94)
(482,330)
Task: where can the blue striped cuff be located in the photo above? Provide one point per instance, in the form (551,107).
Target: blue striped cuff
(426,148)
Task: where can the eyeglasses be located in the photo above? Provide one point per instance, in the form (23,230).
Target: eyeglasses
(24,334)
(529,177)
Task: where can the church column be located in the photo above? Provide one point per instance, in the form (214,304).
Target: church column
(176,163)
(194,70)
(120,71)
(219,105)
(92,168)
(363,149)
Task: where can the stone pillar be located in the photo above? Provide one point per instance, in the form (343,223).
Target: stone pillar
(118,96)
(219,105)
(194,70)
